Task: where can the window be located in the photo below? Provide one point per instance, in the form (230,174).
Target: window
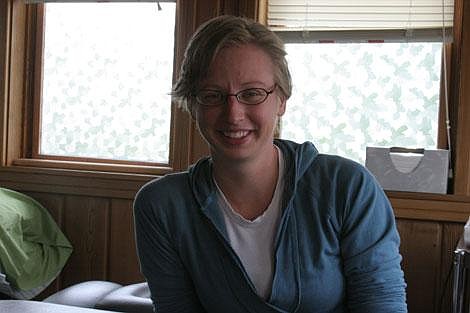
(23,42)
(364,75)
(106,82)
(352,95)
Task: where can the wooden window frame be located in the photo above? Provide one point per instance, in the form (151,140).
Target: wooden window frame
(20,171)
(26,31)
(33,142)
(458,74)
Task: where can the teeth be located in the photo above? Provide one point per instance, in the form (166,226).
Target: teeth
(237,134)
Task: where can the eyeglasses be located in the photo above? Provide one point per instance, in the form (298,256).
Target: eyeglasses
(250,96)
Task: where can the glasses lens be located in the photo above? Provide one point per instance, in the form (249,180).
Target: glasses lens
(252,96)
(209,97)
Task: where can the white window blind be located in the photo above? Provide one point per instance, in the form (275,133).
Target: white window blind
(393,19)
(359,15)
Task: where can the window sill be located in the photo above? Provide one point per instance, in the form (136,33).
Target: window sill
(431,207)
(103,168)
(78,178)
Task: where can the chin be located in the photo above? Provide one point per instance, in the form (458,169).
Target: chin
(233,154)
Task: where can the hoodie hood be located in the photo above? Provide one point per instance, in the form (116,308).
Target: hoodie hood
(298,158)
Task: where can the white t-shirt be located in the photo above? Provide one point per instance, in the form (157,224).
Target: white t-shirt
(253,241)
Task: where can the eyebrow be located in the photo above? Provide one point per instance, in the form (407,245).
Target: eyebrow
(247,85)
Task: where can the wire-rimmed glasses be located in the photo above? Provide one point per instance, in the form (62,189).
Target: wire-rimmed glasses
(250,96)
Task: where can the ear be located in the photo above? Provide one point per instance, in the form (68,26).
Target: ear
(282,107)
(192,111)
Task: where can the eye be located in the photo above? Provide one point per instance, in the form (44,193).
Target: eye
(252,95)
(209,97)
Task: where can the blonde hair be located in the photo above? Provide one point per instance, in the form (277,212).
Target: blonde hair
(221,32)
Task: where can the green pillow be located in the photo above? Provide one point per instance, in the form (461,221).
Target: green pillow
(33,250)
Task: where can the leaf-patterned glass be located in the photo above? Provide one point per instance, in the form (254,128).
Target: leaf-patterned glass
(349,96)
(107,77)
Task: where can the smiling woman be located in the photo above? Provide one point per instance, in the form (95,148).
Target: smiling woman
(271,220)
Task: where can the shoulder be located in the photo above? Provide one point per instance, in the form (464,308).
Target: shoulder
(165,183)
(342,185)
(335,162)
(340,170)
(162,190)
(309,162)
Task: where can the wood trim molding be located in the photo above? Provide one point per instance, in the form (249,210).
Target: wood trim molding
(442,138)
(5,9)
(181,136)
(15,45)
(98,167)
(462,153)
(72,182)
(430,207)
(263,12)
(35,64)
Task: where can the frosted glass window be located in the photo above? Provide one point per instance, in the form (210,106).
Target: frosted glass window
(352,95)
(107,75)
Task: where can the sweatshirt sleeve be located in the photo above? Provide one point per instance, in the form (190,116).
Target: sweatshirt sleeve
(170,285)
(370,249)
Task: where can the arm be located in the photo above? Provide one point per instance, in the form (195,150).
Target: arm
(370,250)
(170,285)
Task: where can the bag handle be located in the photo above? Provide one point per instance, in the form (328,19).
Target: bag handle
(406,150)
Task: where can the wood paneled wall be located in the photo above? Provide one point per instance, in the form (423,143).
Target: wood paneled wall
(102,234)
(430,227)
(427,249)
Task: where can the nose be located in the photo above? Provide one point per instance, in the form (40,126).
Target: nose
(234,110)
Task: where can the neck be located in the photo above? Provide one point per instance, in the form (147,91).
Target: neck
(239,171)
(248,186)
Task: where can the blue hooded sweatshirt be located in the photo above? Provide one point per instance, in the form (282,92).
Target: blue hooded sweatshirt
(336,248)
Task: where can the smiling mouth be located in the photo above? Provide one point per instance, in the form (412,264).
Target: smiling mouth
(236,134)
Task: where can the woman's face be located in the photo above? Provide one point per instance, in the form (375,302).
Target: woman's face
(236,131)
